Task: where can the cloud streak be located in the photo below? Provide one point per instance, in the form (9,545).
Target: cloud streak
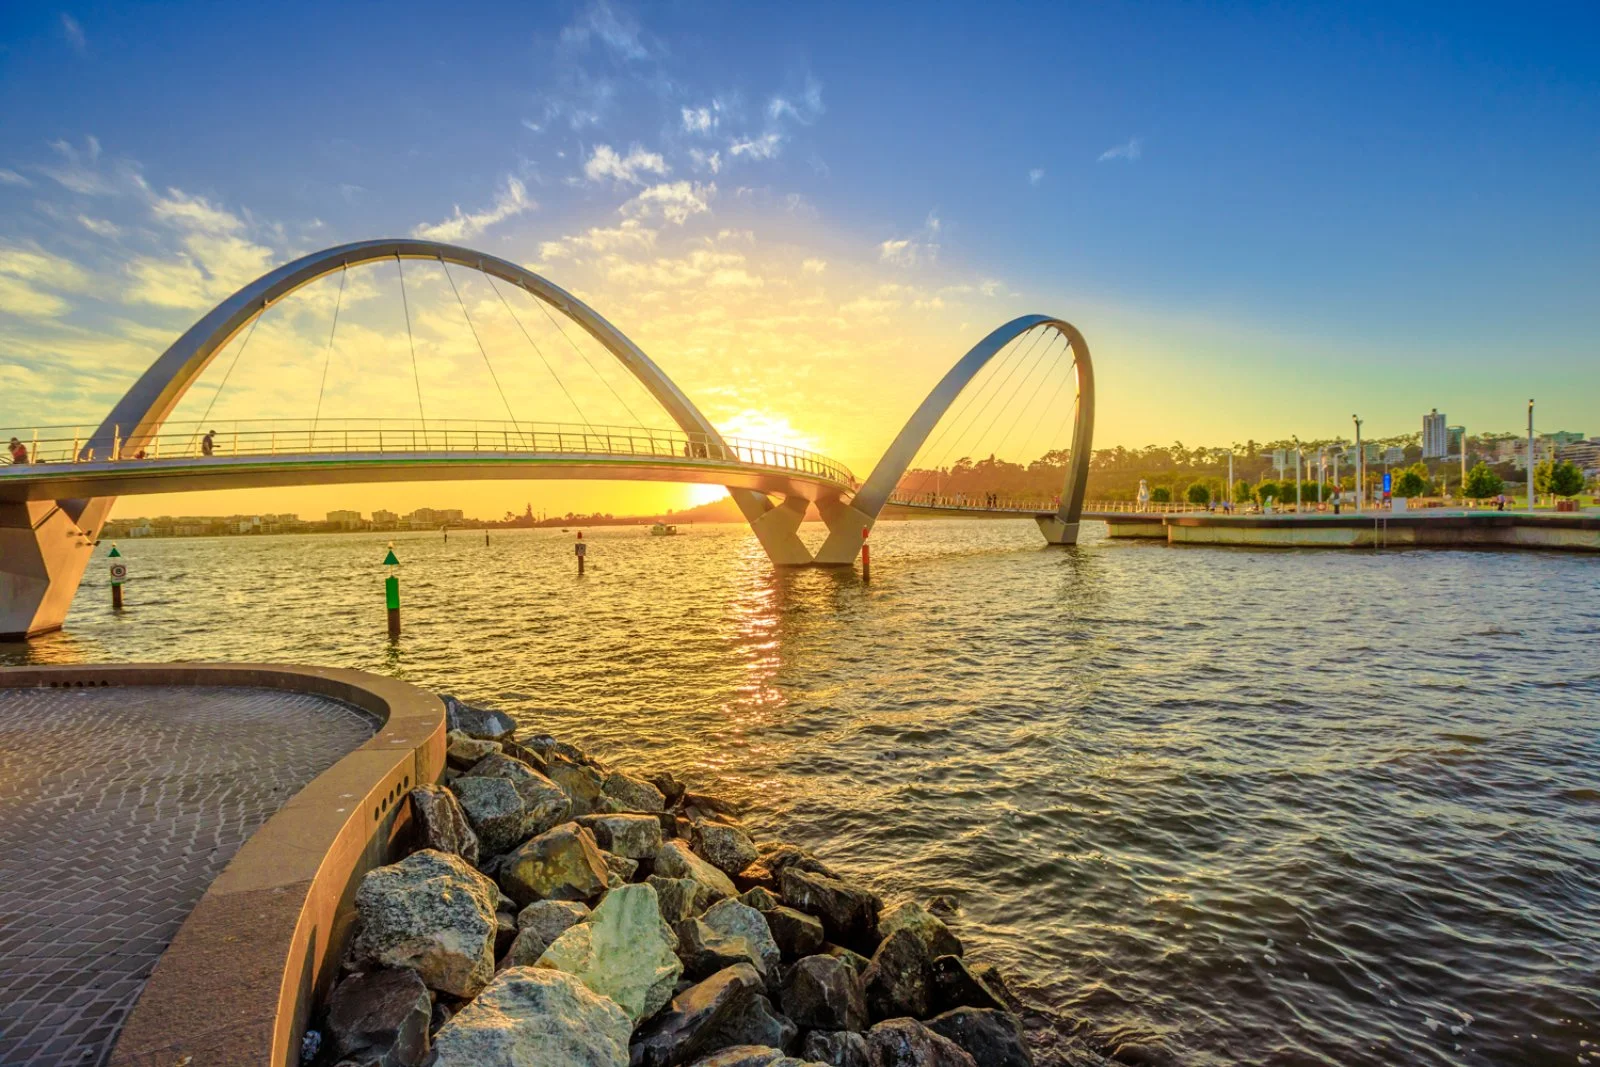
(512,200)
(606,163)
(1131,150)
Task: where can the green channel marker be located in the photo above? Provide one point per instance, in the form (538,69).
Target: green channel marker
(391,592)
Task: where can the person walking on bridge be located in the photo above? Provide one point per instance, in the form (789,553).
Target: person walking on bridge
(208,443)
(19,451)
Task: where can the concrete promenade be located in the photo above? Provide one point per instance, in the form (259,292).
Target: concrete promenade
(118,808)
(1435,528)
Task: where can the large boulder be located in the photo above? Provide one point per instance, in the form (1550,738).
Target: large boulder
(778,857)
(907,1043)
(543,803)
(535,1017)
(838,1048)
(687,1026)
(624,951)
(632,794)
(823,993)
(482,723)
(731,919)
(380,1017)
(849,913)
(928,927)
(559,864)
(462,751)
(705,951)
(899,980)
(796,933)
(856,960)
(495,809)
(752,1056)
(753,1022)
(991,1038)
(955,985)
(432,913)
(679,897)
(727,848)
(676,860)
(760,898)
(538,925)
(638,837)
(582,783)
(619,868)
(441,824)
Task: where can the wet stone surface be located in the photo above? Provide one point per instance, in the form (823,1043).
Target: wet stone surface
(118,807)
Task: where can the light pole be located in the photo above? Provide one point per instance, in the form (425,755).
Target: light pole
(1361,465)
(1230,481)
(1530,453)
(1299,461)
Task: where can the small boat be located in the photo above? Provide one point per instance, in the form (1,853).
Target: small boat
(661,529)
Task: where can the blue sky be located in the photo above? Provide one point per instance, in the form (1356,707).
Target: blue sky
(1262,216)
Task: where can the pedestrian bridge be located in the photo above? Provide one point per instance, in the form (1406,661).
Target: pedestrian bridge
(53,508)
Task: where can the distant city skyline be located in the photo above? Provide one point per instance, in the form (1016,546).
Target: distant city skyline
(805,234)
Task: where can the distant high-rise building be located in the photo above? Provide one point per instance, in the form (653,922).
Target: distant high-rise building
(1457,436)
(345,520)
(381,518)
(1563,437)
(1435,436)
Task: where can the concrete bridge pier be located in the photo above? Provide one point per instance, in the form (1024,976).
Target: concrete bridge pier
(1056,531)
(776,526)
(845,523)
(45,546)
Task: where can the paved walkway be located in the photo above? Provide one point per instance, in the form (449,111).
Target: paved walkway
(118,806)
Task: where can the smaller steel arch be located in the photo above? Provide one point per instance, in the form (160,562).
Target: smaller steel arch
(1061,527)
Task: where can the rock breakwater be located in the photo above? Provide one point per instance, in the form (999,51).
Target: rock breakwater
(556,912)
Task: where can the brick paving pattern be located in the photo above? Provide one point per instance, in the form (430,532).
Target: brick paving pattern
(118,807)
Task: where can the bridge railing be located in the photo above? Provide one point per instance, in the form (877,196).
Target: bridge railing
(188,442)
(978,502)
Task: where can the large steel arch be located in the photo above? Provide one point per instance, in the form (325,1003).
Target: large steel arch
(1061,527)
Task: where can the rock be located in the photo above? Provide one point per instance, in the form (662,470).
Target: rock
(760,898)
(526,755)
(991,1038)
(907,1043)
(757,876)
(955,986)
(538,925)
(582,784)
(687,1026)
(559,864)
(381,1017)
(849,914)
(481,723)
(1141,1054)
(856,960)
(705,951)
(495,810)
(675,860)
(441,824)
(991,976)
(441,1015)
(505,932)
(550,749)
(624,952)
(432,913)
(731,919)
(727,848)
(899,981)
(837,1049)
(779,857)
(535,1017)
(463,751)
(621,868)
(638,837)
(752,1056)
(544,803)
(710,803)
(796,933)
(752,1022)
(944,906)
(823,993)
(678,897)
(632,794)
(933,933)
(671,789)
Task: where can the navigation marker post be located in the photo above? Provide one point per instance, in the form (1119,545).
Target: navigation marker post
(866,556)
(119,573)
(391,592)
(581,550)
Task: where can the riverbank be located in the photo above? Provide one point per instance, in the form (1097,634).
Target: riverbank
(1375,529)
(558,911)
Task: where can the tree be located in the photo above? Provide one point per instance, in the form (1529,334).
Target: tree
(1482,483)
(1266,490)
(1160,495)
(1565,480)
(1409,484)
(1199,493)
(1242,493)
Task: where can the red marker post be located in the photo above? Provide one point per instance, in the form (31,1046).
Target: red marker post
(866,556)
(582,550)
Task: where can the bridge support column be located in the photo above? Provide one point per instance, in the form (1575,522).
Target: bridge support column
(776,526)
(1056,531)
(43,554)
(845,523)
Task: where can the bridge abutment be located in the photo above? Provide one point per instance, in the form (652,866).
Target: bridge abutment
(1055,531)
(43,554)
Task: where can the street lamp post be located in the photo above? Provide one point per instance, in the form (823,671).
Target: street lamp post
(1230,480)
(1530,453)
(1299,461)
(1361,465)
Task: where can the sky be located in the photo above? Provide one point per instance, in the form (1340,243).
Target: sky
(1262,217)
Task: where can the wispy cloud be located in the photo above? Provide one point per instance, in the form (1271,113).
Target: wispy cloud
(1129,151)
(673,201)
(1036,175)
(805,108)
(615,30)
(512,200)
(702,119)
(194,213)
(706,161)
(606,163)
(11,177)
(910,251)
(813,266)
(764,147)
(100,227)
(73,32)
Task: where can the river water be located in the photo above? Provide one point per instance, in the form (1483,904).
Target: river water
(1233,806)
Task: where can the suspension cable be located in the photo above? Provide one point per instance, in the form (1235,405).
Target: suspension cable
(229,373)
(479,340)
(537,300)
(1001,388)
(416,375)
(950,421)
(538,351)
(1073,371)
(1021,388)
(337,304)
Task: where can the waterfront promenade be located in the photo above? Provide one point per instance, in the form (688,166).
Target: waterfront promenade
(118,808)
